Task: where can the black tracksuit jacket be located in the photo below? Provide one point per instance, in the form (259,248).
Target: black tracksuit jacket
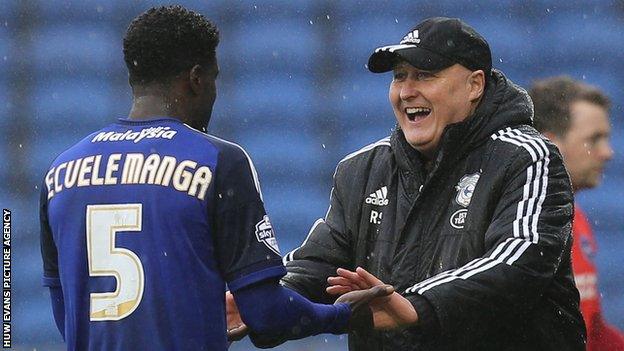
(480,244)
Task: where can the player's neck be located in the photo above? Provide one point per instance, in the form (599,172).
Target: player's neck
(150,106)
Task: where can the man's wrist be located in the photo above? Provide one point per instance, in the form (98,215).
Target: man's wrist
(428,323)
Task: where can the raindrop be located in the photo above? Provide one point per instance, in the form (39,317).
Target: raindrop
(255,7)
(548,10)
(20,146)
(396,20)
(327,16)
(500,59)
(36,187)
(323,145)
(134,62)
(165,253)
(311,22)
(584,77)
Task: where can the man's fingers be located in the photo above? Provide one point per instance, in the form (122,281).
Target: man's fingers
(354,278)
(237,333)
(381,290)
(367,277)
(342,281)
(338,290)
(361,297)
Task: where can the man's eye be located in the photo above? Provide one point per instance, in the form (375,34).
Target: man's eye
(399,75)
(423,75)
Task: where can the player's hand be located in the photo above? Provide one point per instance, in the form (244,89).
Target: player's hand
(236,328)
(388,312)
(358,300)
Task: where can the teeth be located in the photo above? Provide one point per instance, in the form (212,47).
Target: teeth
(411,110)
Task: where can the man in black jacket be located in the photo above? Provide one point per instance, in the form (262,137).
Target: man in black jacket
(465,209)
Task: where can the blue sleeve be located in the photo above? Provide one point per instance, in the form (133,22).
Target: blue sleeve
(49,253)
(58,308)
(246,246)
(275,311)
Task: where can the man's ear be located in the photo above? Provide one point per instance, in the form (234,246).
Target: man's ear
(476,80)
(196,81)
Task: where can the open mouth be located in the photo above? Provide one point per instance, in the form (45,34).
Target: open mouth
(417,113)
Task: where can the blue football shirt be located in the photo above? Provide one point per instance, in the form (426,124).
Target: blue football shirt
(143,225)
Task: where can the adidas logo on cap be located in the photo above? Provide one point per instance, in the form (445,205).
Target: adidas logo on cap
(411,38)
(378,198)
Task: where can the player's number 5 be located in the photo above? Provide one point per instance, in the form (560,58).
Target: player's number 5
(105,259)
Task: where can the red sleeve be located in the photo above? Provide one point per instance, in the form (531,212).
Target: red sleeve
(604,337)
(585,273)
(600,335)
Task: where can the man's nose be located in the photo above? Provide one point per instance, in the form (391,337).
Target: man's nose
(409,90)
(603,150)
(607,151)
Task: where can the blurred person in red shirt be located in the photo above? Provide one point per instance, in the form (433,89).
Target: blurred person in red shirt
(575,116)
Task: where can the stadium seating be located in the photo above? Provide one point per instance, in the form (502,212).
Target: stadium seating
(278,100)
(6,52)
(293,90)
(70,49)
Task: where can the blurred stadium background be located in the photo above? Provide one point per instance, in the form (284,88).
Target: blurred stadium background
(293,90)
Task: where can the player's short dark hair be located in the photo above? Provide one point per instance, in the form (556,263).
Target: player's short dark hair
(164,41)
(552,98)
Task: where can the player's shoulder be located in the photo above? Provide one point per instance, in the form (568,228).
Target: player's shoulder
(232,157)
(77,149)
(228,150)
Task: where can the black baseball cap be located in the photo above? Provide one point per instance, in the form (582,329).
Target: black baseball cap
(434,44)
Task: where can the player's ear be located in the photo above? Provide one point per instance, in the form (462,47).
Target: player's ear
(552,137)
(197,79)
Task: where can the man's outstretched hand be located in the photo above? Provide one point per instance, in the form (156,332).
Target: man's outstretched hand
(236,328)
(388,311)
(359,300)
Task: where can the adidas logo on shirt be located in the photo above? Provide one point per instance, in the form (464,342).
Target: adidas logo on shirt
(378,198)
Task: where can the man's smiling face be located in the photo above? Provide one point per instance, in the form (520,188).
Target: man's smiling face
(425,102)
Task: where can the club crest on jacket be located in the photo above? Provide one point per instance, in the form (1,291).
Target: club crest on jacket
(465,188)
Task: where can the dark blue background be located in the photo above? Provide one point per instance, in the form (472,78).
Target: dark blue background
(293,90)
